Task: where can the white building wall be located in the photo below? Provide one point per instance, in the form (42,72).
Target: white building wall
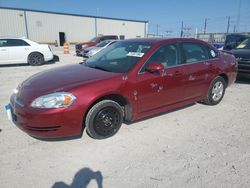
(12,23)
(129,29)
(45,27)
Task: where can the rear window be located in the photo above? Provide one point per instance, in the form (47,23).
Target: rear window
(16,42)
(3,43)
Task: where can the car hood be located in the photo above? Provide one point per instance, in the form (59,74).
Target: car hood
(60,79)
(243,53)
(86,43)
(90,48)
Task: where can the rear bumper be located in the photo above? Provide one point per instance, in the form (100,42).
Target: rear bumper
(48,56)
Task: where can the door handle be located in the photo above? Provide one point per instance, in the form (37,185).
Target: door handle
(206,63)
(177,73)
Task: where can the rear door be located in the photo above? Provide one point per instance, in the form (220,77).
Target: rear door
(196,69)
(4,52)
(18,50)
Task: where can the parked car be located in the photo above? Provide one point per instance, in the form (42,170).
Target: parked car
(127,81)
(94,41)
(21,50)
(242,53)
(233,40)
(90,51)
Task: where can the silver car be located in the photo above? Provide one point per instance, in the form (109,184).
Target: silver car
(89,52)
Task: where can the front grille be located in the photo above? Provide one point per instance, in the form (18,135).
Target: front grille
(43,129)
(244,60)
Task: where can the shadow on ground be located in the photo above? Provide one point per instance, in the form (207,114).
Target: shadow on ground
(81,179)
(55,59)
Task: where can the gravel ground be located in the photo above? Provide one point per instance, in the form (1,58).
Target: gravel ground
(198,146)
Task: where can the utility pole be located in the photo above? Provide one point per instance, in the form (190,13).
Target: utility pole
(238,17)
(205,26)
(234,28)
(228,24)
(181,29)
(157,29)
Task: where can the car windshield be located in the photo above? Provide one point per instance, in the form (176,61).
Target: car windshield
(244,45)
(93,39)
(120,57)
(103,43)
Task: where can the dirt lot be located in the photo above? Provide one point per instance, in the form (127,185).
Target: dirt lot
(198,146)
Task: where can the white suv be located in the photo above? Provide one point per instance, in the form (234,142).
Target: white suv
(21,50)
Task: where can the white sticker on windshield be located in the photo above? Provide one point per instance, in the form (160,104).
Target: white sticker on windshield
(135,54)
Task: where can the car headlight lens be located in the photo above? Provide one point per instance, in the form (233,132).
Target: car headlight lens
(54,100)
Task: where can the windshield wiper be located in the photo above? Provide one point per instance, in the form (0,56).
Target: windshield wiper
(100,68)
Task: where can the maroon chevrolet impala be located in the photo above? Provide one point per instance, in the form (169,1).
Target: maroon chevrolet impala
(129,80)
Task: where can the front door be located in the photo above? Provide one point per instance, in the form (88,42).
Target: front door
(166,87)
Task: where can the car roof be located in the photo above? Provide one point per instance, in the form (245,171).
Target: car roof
(11,37)
(160,40)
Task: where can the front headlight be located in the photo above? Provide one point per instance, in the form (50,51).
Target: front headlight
(54,100)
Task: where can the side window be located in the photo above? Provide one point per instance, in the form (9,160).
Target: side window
(110,38)
(3,43)
(16,42)
(194,52)
(167,55)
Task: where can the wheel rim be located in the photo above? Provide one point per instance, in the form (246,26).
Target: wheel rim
(217,91)
(35,59)
(107,121)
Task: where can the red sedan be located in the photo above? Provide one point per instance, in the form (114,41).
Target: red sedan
(129,80)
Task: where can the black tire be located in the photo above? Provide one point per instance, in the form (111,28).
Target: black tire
(35,59)
(216,91)
(104,119)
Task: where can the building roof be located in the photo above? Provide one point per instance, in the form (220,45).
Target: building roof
(68,14)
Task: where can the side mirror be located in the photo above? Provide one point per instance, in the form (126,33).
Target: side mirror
(155,68)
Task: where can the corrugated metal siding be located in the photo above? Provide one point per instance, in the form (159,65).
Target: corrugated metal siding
(45,27)
(118,27)
(12,23)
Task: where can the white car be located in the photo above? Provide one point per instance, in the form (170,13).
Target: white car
(89,52)
(21,50)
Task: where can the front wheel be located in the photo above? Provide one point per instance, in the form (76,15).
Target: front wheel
(216,91)
(104,119)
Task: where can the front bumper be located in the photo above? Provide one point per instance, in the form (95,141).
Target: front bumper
(48,123)
(244,67)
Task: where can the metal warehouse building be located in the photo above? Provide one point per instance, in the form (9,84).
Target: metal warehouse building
(48,27)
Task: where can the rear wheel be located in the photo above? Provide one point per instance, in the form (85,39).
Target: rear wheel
(104,119)
(216,91)
(35,58)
